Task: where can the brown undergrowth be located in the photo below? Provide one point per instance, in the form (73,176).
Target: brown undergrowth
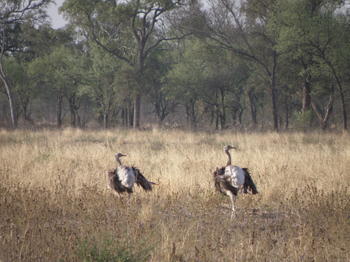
(54,204)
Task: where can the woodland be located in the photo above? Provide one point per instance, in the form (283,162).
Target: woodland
(214,64)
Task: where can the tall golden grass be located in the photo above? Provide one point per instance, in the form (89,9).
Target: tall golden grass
(55,204)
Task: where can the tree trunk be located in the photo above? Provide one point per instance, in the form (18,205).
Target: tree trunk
(73,117)
(72,111)
(274,93)
(286,124)
(323,119)
(274,108)
(123,116)
(253,110)
(240,115)
(306,103)
(59,110)
(74,107)
(130,115)
(223,110)
(9,96)
(137,111)
(340,88)
(217,117)
(3,113)
(235,116)
(191,114)
(344,112)
(216,112)
(342,97)
(27,111)
(105,120)
(212,115)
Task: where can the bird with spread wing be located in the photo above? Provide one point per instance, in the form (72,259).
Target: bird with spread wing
(123,178)
(230,179)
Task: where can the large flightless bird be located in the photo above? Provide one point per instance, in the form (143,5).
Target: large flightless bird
(123,178)
(230,179)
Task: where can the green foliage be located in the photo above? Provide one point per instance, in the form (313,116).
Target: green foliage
(111,250)
(16,71)
(313,35)
(60,69)
(104,81)
(310,31)
(114,51)
(302,120)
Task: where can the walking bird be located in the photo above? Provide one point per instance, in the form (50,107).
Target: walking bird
(123,178)
(229,180)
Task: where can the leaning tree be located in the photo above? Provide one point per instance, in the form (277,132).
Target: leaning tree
(13,13)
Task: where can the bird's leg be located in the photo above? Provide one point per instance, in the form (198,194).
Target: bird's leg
(129,198)
(233,200)
(119,196)
(121,199)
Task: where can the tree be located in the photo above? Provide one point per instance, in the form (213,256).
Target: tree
(315,34)
(103,86)
(187,79)
(130,31)
(60,71)
(12,14)
(23,90)
(243,30)
(157,67)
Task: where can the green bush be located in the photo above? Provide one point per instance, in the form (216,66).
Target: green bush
(111,251)
(303,119)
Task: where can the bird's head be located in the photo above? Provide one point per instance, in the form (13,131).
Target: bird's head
(118,155)
(229,147)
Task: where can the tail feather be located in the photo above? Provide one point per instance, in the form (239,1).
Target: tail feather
(142,181)
(248,182)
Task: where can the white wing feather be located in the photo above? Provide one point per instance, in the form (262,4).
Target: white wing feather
(126,176)
(236,175)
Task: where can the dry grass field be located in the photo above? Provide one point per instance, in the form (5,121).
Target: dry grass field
(55,205)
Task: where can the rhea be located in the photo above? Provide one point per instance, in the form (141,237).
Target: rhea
(230,179)
(123,178)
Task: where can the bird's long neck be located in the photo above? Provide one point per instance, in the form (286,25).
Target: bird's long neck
(229,158)
(119,163)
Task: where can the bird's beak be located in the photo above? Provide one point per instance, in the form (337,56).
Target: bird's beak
(122,155)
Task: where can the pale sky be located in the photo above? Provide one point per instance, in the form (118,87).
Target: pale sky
(57,20)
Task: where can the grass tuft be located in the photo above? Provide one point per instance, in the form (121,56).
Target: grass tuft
(108,251)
